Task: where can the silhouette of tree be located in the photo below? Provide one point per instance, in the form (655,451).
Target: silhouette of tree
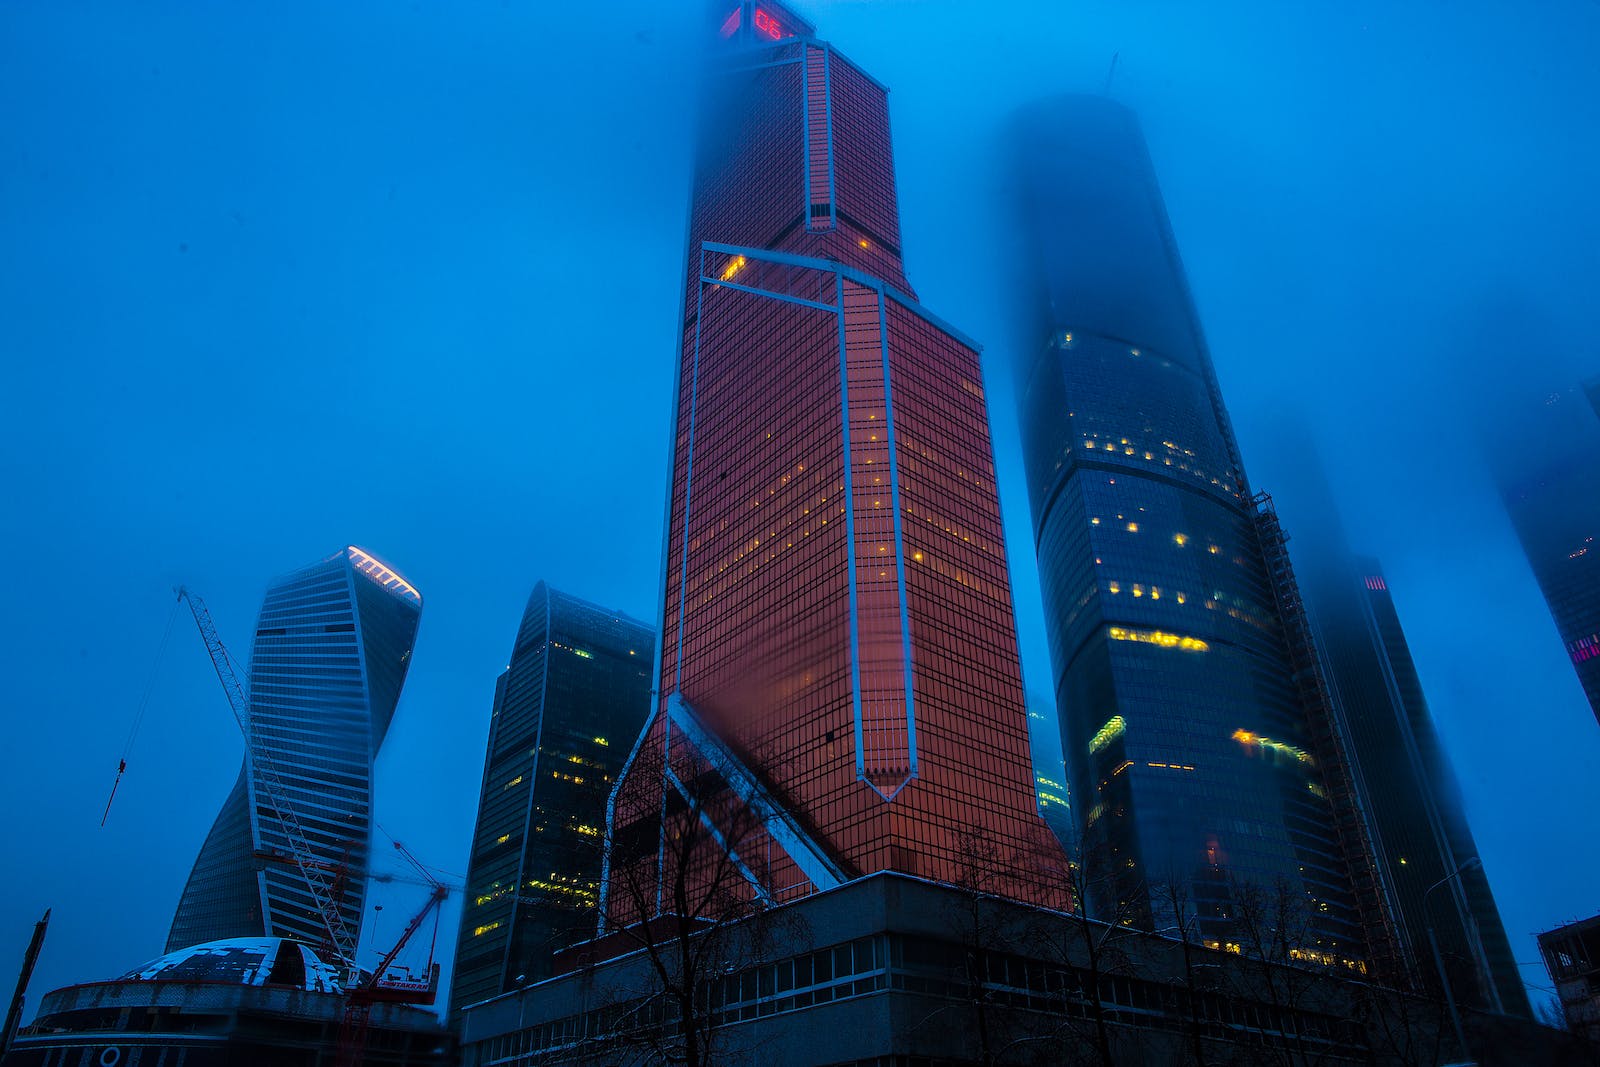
(682,892)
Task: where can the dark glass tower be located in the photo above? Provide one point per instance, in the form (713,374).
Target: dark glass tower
(1050,773)
(566,712)
(1198,763)
(332,645)
(837,633)
(1553,499)
(1408,789)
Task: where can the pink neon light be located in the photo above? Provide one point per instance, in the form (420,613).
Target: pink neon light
(769,25)
(730,25)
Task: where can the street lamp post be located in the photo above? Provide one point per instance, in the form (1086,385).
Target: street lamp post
(1438,961)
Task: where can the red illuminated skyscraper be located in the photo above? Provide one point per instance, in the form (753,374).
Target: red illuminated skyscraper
(838,653)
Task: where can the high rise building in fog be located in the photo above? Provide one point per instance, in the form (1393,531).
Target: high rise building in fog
(837,637)
(566,712)
(332,645)
(1408,789)
(1550,481)
(1202,759)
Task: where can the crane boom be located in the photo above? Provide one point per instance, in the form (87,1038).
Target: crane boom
(312,869)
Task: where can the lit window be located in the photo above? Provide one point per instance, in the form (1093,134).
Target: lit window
(1133,527)
(1158,637)
(1113,729)
(1245,737)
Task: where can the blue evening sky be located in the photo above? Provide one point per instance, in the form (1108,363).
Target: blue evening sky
(277,278)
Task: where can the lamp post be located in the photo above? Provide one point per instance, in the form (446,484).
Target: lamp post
(1471,864)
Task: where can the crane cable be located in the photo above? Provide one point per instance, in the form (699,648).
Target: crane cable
(138,717)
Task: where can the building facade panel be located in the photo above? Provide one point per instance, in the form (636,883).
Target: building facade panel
(1199,780)
(332,645)
(837,634)
(567,709)
(1552,493)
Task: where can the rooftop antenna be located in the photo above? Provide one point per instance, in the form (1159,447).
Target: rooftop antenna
(1111,73)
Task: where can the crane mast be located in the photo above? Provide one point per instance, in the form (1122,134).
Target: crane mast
(312,870)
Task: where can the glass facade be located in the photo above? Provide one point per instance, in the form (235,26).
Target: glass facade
(837,632)
(1196,768)
(1407,786)
(566,712)
(1554,503)
(332,645)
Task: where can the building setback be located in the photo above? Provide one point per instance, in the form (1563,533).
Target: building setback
(1550,481)
(332,645)
(566,711)
(838,646)
(1204,774)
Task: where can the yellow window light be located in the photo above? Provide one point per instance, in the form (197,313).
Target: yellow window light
(1114,728)
(1158,637)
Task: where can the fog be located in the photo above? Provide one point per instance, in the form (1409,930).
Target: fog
(274,281)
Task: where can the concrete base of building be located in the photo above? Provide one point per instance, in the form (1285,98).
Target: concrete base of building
(892,970)
(201,1023)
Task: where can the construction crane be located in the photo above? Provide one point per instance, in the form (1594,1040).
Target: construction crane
(380,986)
(324,878)
(314,871)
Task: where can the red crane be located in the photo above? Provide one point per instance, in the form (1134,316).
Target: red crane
(381,987)
(325,879)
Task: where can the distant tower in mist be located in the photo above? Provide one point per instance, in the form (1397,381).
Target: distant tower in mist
(1198,760)
(566,712)
(332,645)
(1549,477)
(1409,791)
(837,630)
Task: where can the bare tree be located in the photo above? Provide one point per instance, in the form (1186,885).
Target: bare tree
(1095,949)
(686,890)
(1282,969)
(1200,977)
(1400,1027)
(1068,958)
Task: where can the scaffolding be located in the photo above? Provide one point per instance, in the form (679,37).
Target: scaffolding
(1374,907)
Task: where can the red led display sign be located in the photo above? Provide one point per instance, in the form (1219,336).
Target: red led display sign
(768,26)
